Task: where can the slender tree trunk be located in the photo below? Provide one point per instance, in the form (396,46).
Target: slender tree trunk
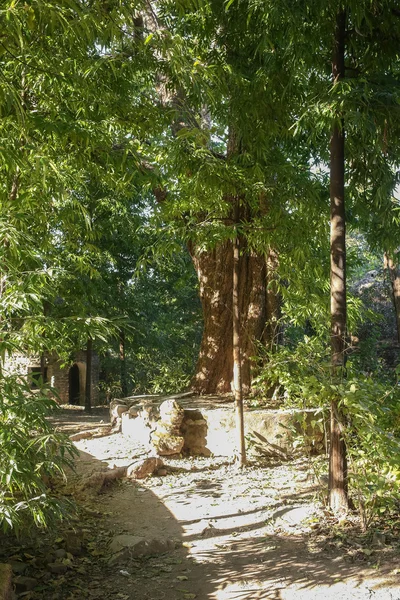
(46,308)
(394,276)
(273,332)
(124,383)
(273,300)
(43,367)
(88,384)
(338,499)
(236,342)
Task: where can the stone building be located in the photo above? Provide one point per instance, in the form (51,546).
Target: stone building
(68,380)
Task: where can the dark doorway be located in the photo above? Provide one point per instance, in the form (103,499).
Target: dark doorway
(74,385)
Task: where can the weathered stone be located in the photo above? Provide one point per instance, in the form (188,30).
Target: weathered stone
(166,444)
(137,427)
(120,409)
(81,435)
(97,432)
(5,582)
(60,553)
(143,468)
(24,584)
(211,430)
(161,472)
(117,409)
(122,541)
(149,414)
(133,412)
(194,430)
(100,479)
(73,543)
(166,438)
(171,415)
(276,426)
(18,567)
(130,546)
(57,568)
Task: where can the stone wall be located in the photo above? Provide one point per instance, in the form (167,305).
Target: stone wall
(58,374)
(208,428)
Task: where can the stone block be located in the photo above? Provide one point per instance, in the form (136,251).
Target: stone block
(6,592)
(143,468)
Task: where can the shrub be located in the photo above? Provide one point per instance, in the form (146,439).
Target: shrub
(31,453)
(371,409)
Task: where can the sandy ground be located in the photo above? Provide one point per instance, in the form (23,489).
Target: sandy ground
(257,533)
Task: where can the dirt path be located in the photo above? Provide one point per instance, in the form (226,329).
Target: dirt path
(213,532)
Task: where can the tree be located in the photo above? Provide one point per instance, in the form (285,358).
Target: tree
(337,458)
(211,173)
(236,342)
(56,61)
(393,270)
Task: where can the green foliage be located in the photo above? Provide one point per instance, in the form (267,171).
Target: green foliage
(372,436)
(102,103)
(162,306)
(31,454)
(67,91)
(371,415)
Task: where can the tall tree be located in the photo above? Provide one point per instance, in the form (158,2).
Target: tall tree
(393,270)
(88,382)
(56,61)
(337,459)
(231,85)
(237,339)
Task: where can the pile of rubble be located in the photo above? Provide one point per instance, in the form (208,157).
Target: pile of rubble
(168,429)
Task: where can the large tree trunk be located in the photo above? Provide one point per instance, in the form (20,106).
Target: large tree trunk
(338,500)
(394,276)
(215,273)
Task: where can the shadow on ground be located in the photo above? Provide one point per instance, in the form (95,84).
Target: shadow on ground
(207,564)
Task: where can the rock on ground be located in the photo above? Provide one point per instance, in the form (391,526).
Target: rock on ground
(5,582)
(143,468)
(126,546)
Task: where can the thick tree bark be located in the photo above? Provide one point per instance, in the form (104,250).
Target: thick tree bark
(236,341)
(338,500)
(88,384)
(215,273)
(394,276)
(124,382)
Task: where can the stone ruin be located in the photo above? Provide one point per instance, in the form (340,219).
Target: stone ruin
(198,426)
(69,380)
(168,428)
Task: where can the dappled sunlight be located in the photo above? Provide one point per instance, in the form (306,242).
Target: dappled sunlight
(222,533)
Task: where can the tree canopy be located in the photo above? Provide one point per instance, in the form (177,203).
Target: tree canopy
(140,144)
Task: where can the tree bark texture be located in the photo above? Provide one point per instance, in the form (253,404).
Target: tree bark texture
(88,383)
(394,276)
(215,273)
(338,500)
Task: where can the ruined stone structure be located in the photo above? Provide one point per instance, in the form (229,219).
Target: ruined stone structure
(68,380)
